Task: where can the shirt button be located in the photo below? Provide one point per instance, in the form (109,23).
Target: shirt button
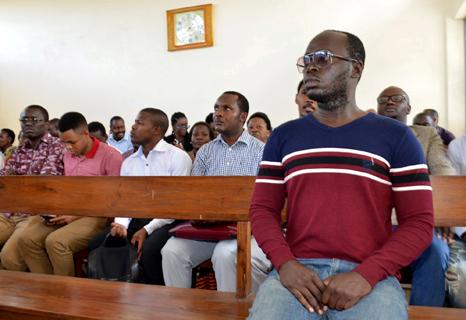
(228,163)
(229,149)
(147,164)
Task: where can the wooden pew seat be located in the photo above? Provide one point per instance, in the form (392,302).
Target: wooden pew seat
(34,296)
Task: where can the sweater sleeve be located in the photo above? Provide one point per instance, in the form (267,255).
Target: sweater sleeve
(267,204)
(412,198)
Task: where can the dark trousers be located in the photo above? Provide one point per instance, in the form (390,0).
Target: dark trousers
(151,258)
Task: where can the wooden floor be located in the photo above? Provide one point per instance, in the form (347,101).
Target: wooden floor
(42,298)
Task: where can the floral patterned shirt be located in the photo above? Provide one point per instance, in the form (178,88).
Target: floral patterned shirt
(46,159)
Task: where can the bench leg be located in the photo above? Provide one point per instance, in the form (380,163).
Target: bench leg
(243,261)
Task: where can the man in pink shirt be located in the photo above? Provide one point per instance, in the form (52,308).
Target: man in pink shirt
(49,242)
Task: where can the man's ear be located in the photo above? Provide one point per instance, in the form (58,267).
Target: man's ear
(408,109)
(357,70)
(243,116)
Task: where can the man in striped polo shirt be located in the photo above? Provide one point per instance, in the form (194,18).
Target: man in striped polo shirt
(341,171)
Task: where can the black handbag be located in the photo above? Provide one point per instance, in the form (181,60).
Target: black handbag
(115,260)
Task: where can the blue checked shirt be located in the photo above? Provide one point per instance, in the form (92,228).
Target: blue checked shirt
(217,158)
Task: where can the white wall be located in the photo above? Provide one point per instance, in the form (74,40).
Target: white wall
(103,57)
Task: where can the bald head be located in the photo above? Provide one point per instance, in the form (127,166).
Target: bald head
(393,102)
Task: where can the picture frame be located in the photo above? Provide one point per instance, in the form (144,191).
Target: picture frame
(190,27)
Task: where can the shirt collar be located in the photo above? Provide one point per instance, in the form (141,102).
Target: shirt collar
(46,138)
(125,137)
(245,138)
(161,146)
(93,151)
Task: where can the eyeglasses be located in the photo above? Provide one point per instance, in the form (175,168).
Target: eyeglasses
(33,120)
(182,126)
(395,98)
(320,58)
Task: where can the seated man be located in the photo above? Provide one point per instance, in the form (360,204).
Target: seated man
(233,153)
(38,154)
(119,138)
(428,270)
(456,273)
(444,134)
(341,170)
(97,130)
(259,126)
(423,119)
(305,105)
(49,242)
(7,138)
(155,157)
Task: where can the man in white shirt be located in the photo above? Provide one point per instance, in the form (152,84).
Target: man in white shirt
(119,138)
(154,157)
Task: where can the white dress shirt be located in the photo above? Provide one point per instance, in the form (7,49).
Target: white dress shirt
(457,154)
(164,160)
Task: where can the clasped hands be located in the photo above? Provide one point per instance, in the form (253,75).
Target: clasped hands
(339,292)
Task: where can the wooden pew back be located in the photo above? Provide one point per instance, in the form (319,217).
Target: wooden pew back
(185,198)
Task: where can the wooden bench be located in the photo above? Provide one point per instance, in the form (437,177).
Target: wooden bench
(32,296)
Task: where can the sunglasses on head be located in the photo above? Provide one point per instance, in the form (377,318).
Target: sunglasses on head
(320,58)
(395,98)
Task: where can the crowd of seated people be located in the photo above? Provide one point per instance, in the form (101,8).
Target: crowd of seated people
(218,146)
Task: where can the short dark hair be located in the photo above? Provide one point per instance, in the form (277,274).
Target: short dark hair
(202,123)
(431,112)
(71,121)
(10,133)
(300,84)
(159,118)
(209,118)
(42,110)
(116,118)
(177,116)
(96,126)
(243,103)
(264,117)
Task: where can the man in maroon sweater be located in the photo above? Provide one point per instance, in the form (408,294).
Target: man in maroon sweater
(341,171)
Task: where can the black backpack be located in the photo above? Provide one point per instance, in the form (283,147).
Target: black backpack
(115,260)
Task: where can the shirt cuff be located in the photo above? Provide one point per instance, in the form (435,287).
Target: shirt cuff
(156,224)
(123,221)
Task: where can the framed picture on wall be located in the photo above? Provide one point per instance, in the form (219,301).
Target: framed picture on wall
(190,27)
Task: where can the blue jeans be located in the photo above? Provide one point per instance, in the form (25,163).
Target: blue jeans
(274,301)
(429,275)
(456,274)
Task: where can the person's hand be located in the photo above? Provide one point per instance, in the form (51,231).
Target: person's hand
(58,220)
(445,233)
(304,284)
(118,230)
(344,290)
(140,236)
